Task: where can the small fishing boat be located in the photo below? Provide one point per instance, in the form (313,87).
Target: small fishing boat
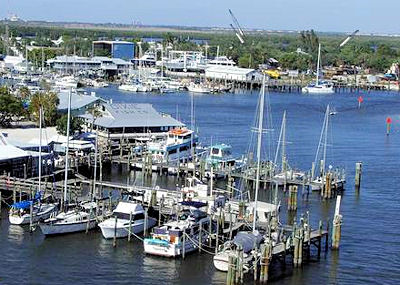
(126,214)
(20,212)
(198,88)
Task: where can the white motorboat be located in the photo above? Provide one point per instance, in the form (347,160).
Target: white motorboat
(120,225)
(78,219)
(198,88)
(20,212)
(128,87)
(174,237)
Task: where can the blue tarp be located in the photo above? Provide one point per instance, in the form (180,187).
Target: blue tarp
(27,203)
(22,205)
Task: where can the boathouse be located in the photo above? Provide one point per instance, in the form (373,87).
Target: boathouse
(130,121)
(80,103)
(230,73)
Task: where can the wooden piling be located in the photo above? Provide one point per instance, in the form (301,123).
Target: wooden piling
(115,232)
(200,235)
(337,225)
(358,175)
(266,252)
(183,244)
(130,226)
(145,222)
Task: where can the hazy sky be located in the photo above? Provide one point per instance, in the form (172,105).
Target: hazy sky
(321,15)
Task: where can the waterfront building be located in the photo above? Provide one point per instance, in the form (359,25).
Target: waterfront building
(130,121)
(114,49)
(72,64)
(232,73)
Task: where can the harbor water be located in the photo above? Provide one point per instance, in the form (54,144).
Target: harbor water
(370,246)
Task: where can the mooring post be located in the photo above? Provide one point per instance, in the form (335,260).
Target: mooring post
(255,257)
(241,272)
(200,235)
(31,217)
(88,221)
(115,232)
(183,244)
(230,269)
(0,203)
(130,226)
(217,237)
(358,175)
(319,238)
(145,221)
(337,224)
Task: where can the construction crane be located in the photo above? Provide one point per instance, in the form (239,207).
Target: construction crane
(236,27)
(349,37)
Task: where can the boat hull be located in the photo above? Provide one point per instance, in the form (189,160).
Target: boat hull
(58,229)
(26,219)
(122,231)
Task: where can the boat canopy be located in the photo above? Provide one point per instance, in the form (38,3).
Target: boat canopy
(22,205)
(247,240)
(27,203)
(195,204)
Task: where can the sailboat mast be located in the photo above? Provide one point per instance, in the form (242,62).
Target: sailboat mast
(318,63)
(260,131)
(284,143)
(67,148)
(321,138)
(40,147)
(95,165)
(325,138)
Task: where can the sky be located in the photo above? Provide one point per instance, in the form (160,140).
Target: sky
(369,16)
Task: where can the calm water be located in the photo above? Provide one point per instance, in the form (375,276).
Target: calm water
(370,246)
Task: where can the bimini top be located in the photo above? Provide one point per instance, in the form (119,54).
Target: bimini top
(27,203)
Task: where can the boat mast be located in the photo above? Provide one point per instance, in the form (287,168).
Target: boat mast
(40,147)
(67,148)
(325,139)
(318,63)
(284,143)
(260,131)
(95,166)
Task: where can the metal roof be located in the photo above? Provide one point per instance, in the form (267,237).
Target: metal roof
(78,101)
(120,115)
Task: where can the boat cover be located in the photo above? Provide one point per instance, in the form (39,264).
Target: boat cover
(195,204)
(27,203)
(247,240)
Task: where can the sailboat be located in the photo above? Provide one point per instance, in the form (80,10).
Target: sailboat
(317,182)
(250,240)
(319,87)
(286,173)
(77,218)
(32,211)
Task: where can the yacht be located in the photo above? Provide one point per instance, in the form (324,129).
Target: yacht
(180,235)
(121,225)
(128,87)
(77,219)
(221,60)
(20,212)
(220,158)
(176,147)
